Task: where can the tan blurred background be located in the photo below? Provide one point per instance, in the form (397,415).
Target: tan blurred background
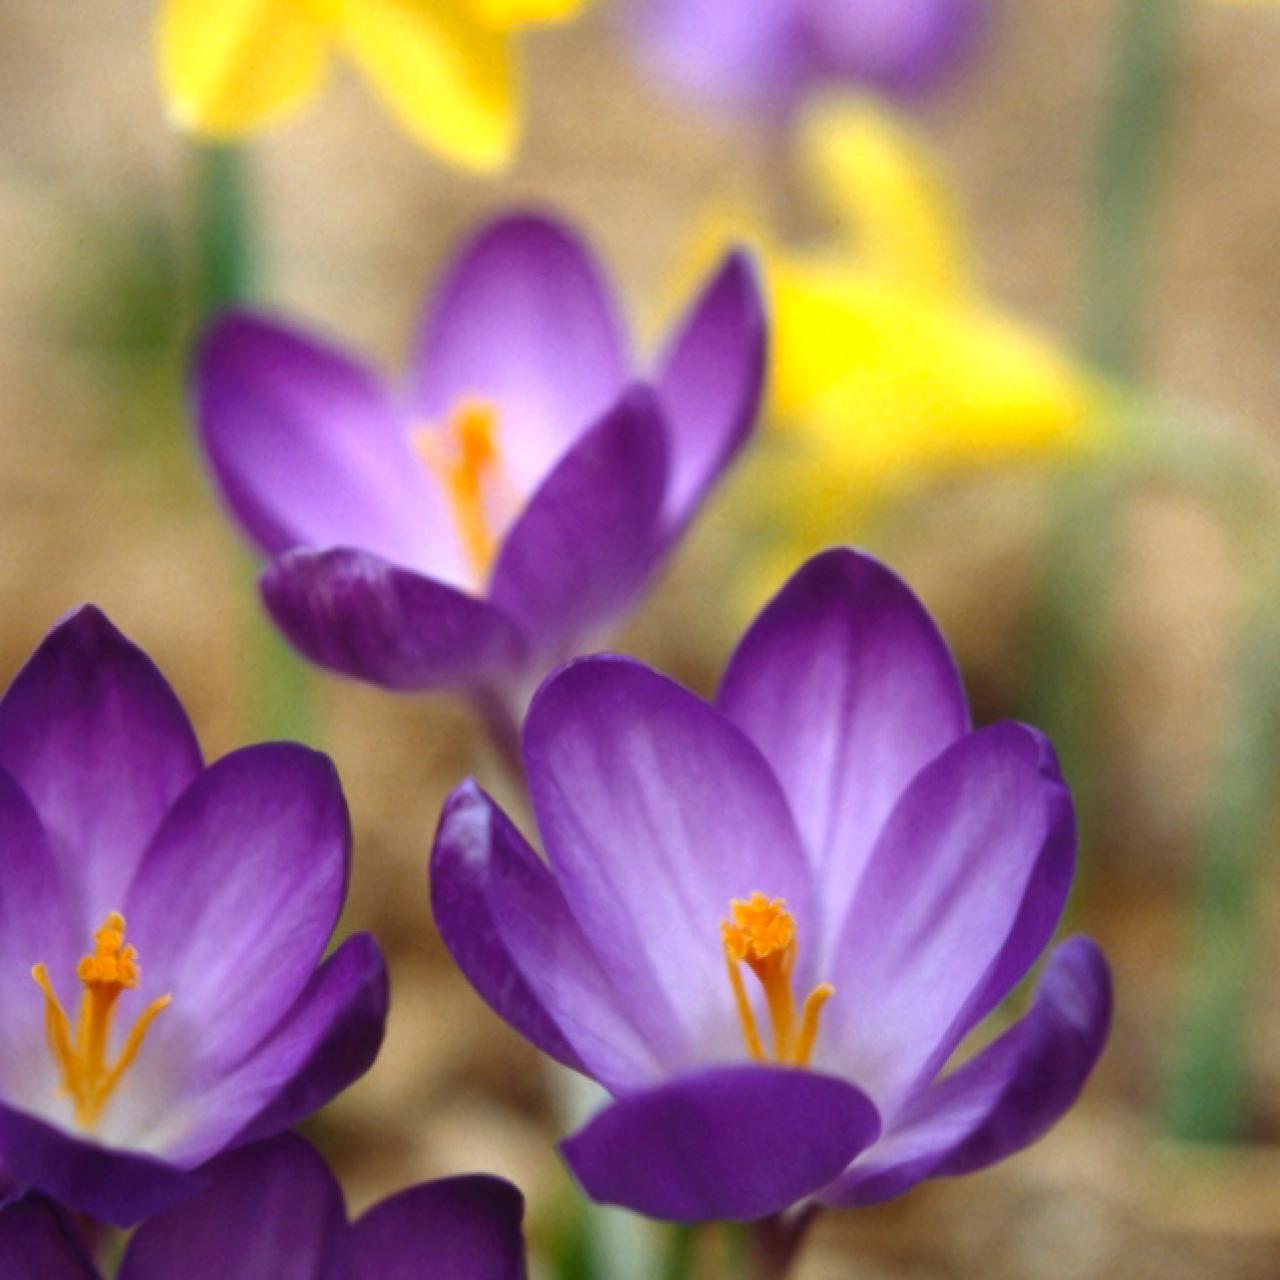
(101,499)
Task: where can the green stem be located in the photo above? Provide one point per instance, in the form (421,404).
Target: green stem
(1207,1089)
(1129,168)
(279,682)
(677,1262)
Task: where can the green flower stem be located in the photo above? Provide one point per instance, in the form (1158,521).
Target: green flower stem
(680,1256)
(227,258)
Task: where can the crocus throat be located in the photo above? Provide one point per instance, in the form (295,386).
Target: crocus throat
(81,1054)
(761,934)
(466,459)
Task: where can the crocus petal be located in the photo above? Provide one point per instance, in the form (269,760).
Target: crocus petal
(586,542)
(272,1209)
(449,79)
(118,1187)
(35,927)
(1004,1099)
(710,381)
(656,812)
(525,321)
(962,892)
(458,1228)
(361,616)
(237,896)
(232,66)
(94,735)
(847,686)
(735,1143)
(38,1243)
(329,1039)
(504,919)
(309,451)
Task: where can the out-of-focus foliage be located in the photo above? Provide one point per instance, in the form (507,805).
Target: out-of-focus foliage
(446,69)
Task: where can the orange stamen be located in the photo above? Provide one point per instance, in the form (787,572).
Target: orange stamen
(112,969)
(761,934)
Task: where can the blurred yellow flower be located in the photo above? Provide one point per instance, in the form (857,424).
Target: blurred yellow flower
(445,68)
(889,365)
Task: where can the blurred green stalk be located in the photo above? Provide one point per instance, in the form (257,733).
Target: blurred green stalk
(1207,1087)
(279,683)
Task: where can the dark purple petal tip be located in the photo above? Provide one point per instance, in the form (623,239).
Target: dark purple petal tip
(733,1143)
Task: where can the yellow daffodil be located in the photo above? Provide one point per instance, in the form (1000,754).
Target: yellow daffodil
(889,365)
(445,68)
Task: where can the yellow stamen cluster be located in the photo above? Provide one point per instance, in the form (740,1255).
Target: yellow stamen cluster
(761,934)
(465,457)
(81,1053)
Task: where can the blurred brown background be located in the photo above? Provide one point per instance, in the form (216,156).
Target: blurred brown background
(101,498)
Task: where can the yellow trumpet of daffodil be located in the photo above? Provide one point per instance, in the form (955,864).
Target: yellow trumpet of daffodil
(447,69)
(889,365)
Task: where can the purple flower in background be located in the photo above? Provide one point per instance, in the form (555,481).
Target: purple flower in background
(768,924)
(273,1211)
(163,924)
(767,54)
(480,525)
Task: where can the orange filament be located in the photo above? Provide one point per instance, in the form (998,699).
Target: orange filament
(466,458)
(761,933)
(81,1056)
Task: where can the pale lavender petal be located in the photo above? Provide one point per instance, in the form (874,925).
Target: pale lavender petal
(587,541)
(847,686)
(93,734)
(1004,1099)
(464,1228)
(525,321)
(119,1187)
(237,896)
(309,450)
(656,812)
(272,1210)
(730,1144)
(962,892)
(710,381)
(37,1242)
(361,616)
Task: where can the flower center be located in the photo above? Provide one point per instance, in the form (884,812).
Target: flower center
(81,1054)
(467,461)
(761,934)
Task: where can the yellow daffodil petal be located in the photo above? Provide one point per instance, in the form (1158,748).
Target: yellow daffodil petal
(230,67)
(448,79)
(880,185)
(504,15)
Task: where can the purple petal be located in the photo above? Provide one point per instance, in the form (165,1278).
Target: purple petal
(38,1243)
(847,687)
(119,1187)
(270,1210)
(35,927)
(96,738)
(309,450)
(710,381)
(1007,1097)
(237,896)
(360,616)
(962,892)
(525,321)
(656,812)
(735,1143)
(586,542)
(329,1039)
(456,1229)
(538,962)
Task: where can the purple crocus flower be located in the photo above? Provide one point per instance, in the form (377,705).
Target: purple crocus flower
(477,527)
(273,1211)
(768,924)
(163,924)
(768,54)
